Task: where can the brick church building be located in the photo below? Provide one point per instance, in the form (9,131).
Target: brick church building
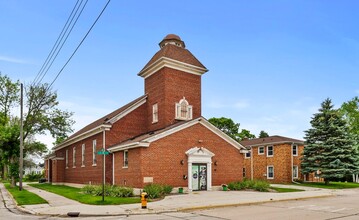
(160,137)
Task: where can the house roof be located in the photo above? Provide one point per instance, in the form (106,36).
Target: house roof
(105,120)
(144,140)
(270,140)
(176,53)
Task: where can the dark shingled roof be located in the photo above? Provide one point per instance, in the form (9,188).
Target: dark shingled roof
(176,53)
(146,135)
(105,118)
(269,140)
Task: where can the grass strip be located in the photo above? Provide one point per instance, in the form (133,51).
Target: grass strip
(24,197)
(286,190)
(331,185)
(76,194)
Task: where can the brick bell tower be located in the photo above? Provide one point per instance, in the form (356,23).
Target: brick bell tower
(172,84)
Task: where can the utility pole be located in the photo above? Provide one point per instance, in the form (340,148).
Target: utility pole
(21,138)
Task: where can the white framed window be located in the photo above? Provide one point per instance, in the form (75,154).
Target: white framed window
(270,172)
(183,110)
(74,157)
(247,155)
(155,113)
(125,158)
(260,150)
(83,155)
(295,172)
(94,152)
(270,151)
(295,150)
(67,159)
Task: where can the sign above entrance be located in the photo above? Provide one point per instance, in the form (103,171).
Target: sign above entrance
(103,152)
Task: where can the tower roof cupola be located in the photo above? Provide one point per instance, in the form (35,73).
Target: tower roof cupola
(173,40)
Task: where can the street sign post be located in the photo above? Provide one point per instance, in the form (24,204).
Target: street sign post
(104,153)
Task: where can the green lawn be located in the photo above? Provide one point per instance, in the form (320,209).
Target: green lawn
(285,190)
(76,194)
(332,185)
(24,197)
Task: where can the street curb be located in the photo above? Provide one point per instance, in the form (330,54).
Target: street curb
(249,203)
(19,208)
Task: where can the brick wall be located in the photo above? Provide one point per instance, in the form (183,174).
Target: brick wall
(167,87)
(129,126)
(161,160)
(281,161)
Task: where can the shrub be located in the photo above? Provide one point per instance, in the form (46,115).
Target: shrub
(167,189)
(261,186)
(33,176)
(157,190)
(113,191)
(258,185)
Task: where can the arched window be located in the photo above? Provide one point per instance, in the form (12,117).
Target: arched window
(183,110)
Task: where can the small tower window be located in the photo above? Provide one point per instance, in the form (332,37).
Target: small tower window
(155,113)
(183,110)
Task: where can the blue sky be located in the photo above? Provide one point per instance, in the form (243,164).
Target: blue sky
(271,63)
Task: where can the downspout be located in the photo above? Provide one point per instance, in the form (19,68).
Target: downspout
(113,168)
(104,156)
(251,163)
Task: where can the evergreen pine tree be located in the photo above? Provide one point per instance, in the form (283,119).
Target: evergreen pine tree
(329,146)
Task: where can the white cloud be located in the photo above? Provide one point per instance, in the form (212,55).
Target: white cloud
(13,60)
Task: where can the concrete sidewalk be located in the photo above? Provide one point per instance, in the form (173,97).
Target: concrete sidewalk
(60,206)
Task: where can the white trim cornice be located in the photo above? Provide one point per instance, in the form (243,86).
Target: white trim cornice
(83,136)
(171,63)
(121,147)
(277,143)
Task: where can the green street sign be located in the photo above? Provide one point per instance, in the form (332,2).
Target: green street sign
(102,152)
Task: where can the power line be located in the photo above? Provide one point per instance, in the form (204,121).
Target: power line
(55,49)
(83,39)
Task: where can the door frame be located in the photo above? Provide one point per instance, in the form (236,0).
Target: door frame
(200,155)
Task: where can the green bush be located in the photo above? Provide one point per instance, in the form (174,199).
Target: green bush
(167,189)
(261,186)
(33,176)
(258,185)
(157,190)
(112,191)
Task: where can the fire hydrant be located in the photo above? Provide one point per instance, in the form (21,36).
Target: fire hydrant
(144,197)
